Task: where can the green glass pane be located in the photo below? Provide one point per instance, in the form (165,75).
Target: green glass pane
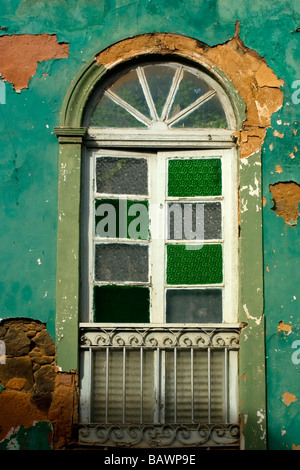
(159,79)
(208,114)
(121,218)
(109,114)
(121,304)
(194,177)
(190,89)
(194,264)
(129,89)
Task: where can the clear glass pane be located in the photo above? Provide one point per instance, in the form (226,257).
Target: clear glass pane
(107,113)
(129,89)
(121,175)
(159,78)
(120,262)
(208,114)
(194,305)
(194,177)
(121,304)
(194,264)
(190,89)
(121,218)
(194,221)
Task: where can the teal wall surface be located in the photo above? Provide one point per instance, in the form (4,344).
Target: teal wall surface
(29,157)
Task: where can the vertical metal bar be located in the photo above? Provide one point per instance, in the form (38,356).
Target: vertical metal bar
(141,385)
(157,382)
(90,385)
(209,384)
(226,384)
(106,384)
(124,385)
(192,385)
(175,385)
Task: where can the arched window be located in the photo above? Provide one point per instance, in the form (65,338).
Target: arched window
(159,259)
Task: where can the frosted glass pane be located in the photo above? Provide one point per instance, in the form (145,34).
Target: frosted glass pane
(159,78)
(194,221)
(109,114)
(121,218)
(121,175)
(194,306)
(199,402)
(194,264)
(121,304)
(194,177)
(208,114)
(133,382)
(121,262)
(129,89)
(190,89)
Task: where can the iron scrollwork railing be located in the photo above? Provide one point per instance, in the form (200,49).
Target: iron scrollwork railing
(184,393)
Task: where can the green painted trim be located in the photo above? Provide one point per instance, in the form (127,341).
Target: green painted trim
(67,284)
(78,93)
(237,102)
(252,341)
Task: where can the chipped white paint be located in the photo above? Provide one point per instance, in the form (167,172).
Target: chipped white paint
(244,205)
(250,317)
(261,416)
(254,190)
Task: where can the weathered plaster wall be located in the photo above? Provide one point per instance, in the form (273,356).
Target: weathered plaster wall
(68,34)
(34,394)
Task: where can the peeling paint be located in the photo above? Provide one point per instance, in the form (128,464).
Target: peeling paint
(257,320)
(284,327)
(20,54)
(288,398)
(286,199)
(256,83)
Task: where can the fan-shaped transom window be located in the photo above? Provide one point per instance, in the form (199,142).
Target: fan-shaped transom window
(161,96)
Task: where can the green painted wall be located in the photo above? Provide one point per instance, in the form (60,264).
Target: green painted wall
(29,156)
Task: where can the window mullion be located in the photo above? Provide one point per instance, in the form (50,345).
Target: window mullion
(157,229)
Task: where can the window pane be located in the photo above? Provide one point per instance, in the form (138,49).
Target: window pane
(109,114)
(208,114)
(159,78)
(121,263)
(121,218)
(190,89)
(194,306)
(194,221)
(133,382)
(194,177)
(200,403)
(194,264)
(116,175)
(129,89)
(121,304)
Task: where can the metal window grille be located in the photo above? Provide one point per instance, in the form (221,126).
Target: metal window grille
(159,386)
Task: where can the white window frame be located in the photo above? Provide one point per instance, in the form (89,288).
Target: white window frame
(157,162)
